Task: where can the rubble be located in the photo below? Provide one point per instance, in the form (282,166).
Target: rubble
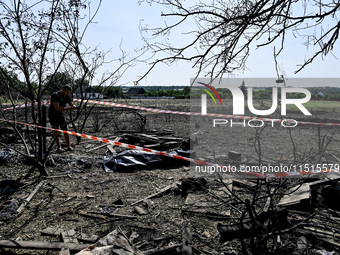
(161,209)
(113,243)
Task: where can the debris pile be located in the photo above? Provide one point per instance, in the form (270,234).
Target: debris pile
(214,216)
(163,209)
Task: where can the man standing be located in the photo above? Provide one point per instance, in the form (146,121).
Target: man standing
(59,100)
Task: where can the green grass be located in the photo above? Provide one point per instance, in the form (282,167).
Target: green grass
(315,106)
(312,106)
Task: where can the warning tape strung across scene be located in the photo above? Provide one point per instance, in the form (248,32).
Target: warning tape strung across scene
(284,174)
(19,106)
(125,145)
(200,114)
(183,113)
(162,153)
(15,107)
(24,106)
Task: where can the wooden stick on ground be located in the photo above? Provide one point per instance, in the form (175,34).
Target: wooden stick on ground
(41,245)
(169,187)
(29,198)
(68,236)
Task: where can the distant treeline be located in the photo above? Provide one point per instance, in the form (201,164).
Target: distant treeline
(318,93)
(9,82)
(152,91)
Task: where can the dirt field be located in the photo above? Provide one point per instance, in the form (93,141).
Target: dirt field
(78,194)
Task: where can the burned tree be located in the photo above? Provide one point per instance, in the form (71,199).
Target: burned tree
(39,41)
(217,37)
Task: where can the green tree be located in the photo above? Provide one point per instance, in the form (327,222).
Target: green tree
(114,92)
(82,83)
(151,93)
(9,82)
(161,92)
(57,80)
(186,92)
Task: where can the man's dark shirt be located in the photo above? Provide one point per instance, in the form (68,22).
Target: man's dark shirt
(62,99)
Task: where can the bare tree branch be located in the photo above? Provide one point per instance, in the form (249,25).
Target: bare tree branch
(226,31)
(40,41)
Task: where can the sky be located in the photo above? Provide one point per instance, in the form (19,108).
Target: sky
(117,22)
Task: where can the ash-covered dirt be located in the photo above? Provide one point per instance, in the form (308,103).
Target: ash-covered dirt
(77,184)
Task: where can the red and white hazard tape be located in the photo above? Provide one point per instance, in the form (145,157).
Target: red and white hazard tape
(162,153)
(125,145)
(184,113)
(15,107)
(25,105)
(282,174)
(200,114)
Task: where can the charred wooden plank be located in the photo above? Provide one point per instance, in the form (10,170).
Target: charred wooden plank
(41,245)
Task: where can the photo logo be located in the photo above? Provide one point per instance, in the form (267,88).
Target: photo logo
(213,90)
(264,127)
(239,100)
